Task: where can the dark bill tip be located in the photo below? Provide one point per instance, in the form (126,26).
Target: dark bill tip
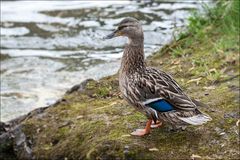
(110,36)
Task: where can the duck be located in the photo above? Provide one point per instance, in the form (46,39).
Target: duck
(151,91)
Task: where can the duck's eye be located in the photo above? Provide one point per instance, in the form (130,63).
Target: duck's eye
(121,27)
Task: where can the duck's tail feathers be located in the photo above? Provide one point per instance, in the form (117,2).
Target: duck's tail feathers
(198,119)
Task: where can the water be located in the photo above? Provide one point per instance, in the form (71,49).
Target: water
(48,46)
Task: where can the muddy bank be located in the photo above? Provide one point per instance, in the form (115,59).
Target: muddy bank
(93,121)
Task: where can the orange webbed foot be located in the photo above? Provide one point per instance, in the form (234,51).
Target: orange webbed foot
(142,132)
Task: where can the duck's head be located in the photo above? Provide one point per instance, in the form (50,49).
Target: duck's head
(128,27)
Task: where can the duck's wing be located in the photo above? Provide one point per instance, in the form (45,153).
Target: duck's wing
(157,93)
(159,87)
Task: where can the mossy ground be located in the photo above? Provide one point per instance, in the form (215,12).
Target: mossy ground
(95,123)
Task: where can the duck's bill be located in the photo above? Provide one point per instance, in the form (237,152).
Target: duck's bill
(111,35)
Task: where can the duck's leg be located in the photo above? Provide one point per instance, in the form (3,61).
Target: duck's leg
(157,124)
(142,132)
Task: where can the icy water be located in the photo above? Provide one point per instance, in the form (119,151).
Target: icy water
(49,46)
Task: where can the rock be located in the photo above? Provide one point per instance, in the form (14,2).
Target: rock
(6,142)
(6,145)
(20,144)
(13,141)
(3,127)
(14,144)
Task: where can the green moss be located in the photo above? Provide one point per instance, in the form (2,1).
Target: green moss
(103,91)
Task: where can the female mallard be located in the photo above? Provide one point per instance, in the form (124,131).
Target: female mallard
(151,91)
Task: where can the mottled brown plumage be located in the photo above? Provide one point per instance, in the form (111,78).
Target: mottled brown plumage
(142,85)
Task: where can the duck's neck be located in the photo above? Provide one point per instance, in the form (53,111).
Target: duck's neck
(133,57)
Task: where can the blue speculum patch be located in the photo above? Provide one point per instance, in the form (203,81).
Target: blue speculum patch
(161,106)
